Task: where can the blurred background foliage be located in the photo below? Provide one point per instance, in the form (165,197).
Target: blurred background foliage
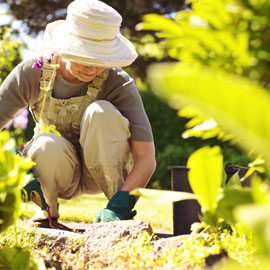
(222,74)
(233,37)
(10,56)
(230,36)
(10,52)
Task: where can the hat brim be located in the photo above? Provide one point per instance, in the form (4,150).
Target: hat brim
(118,52)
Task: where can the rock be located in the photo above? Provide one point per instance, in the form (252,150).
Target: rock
(98,238)
(168,243)
(55,237)
(101,237)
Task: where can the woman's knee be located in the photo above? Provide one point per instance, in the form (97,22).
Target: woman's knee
(102,110)
(49,147)
(103,119)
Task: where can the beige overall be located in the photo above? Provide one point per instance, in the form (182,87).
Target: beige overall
(92,155)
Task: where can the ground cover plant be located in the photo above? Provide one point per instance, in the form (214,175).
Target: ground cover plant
(126,255)
(193,253)
(139,254)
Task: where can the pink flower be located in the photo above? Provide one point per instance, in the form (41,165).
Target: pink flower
(20,121)
(38,63)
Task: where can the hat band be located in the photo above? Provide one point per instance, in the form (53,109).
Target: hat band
(92,39)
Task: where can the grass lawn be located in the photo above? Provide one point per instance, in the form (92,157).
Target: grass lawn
(84,208)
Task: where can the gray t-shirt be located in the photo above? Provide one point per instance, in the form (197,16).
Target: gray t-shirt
(21,89)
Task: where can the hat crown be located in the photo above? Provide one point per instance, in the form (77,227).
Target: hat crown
(90,35)
(93,19)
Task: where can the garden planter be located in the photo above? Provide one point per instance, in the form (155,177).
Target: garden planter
(184,212)
(188,211)
(231,169)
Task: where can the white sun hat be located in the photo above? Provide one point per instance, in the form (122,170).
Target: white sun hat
(90,35)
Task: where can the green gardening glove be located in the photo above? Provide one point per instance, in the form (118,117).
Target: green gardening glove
(118,208)
(32,192)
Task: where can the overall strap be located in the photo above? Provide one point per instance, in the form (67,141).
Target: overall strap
(47,74)
(96,85)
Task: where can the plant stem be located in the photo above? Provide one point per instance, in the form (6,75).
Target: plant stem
(16,238)
(48,88)
(42,108)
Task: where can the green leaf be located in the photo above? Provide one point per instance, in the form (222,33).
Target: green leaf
(239,106)
(189,112)
(263,263)
(205,130)
(22,259)
(13,169)
(158,22)
(10,211)
(234,180)
(205,175)
(14,259)
(199,120)
(45,128)
(230,198)
(257,218)
(54,130)
(4,137)
(163,196)
(260,190)
(55,66)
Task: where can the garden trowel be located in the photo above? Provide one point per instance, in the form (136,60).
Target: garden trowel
(32,192)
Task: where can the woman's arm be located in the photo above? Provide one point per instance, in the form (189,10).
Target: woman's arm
(121,204)
(143,167)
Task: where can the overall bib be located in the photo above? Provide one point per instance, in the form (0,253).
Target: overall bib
(92,155)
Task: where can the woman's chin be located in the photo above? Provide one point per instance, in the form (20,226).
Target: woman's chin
(86,78)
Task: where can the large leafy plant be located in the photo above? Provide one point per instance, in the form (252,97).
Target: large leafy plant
(13,169)
(223,76)
(216,41)
(206,179)
(239,106)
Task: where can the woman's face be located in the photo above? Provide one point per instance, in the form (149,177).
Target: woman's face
(82,72)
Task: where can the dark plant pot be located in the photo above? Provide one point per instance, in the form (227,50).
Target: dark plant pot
(184,212)
(231,169)
(188,211)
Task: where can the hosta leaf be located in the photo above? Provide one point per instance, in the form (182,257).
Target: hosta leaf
(163,196)
(231,197)
(205,176)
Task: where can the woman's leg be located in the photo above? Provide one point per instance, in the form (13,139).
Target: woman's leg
(57,169)
(105,147)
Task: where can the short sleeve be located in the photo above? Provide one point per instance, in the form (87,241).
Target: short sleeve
(121,91)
